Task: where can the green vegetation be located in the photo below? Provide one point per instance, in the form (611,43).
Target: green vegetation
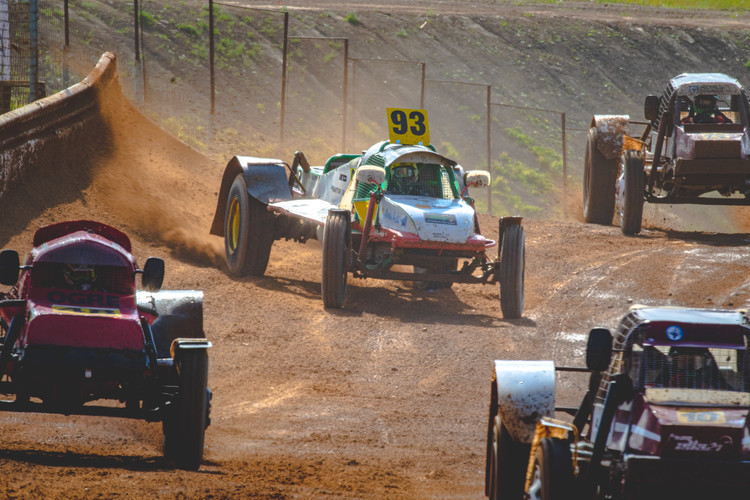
(687,4)
(352,19)
(190,29)
(534,182)
(147,19)
(547,158)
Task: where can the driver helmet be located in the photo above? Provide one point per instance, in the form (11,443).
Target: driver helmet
(688,358)
(405,172)
(705,103)
(79,276)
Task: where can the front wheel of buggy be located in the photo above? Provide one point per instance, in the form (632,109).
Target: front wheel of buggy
(185,430)
(552,478)
(248,231)
(508,461)
(512,264)
(632,192)
(337,243)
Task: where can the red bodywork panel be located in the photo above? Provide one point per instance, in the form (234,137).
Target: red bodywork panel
(57,313)
(403,239)
(55,231)
(682,431)
(83,319)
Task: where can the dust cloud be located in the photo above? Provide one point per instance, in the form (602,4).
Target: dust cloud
(157,185)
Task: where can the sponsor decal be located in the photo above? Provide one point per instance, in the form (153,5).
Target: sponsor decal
(689,443)
(423,207)
(88,311)
(701,417)
(675,333)
(395,218)
(441,219)
(640,431)
(342,177)
(85,299)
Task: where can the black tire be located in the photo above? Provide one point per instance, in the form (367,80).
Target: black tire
(512,270)
(9,341)
(552,478)
(631,200)
(508,463)
(337,243)
(185,427)
(599,177)
(248,231)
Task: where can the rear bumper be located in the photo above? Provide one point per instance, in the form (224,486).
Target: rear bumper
(655,477)
(700,167)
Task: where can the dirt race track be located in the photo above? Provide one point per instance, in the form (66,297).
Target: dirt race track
(385,398)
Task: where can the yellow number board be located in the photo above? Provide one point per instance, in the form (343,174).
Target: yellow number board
(700,417)
(408,126)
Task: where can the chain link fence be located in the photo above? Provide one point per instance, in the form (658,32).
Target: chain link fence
(258,88)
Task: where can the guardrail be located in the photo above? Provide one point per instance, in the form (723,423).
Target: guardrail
(33,137)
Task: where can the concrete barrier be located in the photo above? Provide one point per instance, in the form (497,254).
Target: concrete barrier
(58,131)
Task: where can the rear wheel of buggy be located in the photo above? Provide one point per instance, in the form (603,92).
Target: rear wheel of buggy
(337,244)
(512,268)
(552,478)
(507,464)
(248,231)
(185,427)
(599,177)
(630,204)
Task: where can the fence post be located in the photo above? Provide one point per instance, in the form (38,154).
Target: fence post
(489,146)
(34,45)
(135,31)
(212,84)
(565,165)
(346,83)
(421,95)
(66,47)
(284,63)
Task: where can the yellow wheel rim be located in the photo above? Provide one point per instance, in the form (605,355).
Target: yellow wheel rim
(234,225)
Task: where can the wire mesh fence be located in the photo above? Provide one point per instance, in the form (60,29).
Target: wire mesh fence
(272,91)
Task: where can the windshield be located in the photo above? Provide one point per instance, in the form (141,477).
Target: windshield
(689,368)
(709,108)
(83,277)
(420,179)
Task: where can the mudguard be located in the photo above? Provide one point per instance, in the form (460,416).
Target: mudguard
(266,182)
(610,130)
(179,314)
(525,394)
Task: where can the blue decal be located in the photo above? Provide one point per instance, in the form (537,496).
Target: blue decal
(394,218)
(675,333)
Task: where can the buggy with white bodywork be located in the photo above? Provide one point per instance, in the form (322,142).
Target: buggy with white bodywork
(665,414)
(393,205)
(695,149)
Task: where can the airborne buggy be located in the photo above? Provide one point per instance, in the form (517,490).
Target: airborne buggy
(695,149)
(393,205)
(76,330)
(665,414)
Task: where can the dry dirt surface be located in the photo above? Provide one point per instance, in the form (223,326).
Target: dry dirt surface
(387,397)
